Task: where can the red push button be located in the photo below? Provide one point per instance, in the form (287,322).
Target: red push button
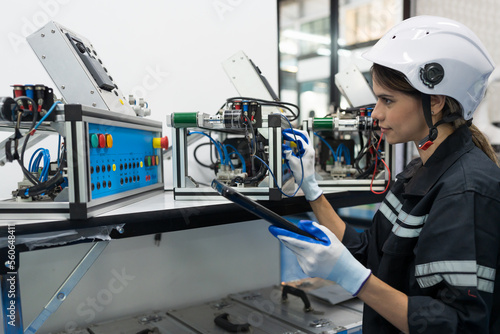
(102,141)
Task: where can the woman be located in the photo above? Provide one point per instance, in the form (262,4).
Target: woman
(429,262)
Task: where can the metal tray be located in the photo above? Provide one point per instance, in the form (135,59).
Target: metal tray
(154,323)
(227,316)
(300,310)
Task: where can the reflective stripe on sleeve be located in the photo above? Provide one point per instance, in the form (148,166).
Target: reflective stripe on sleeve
(456,273)
(486,286)
(403,232)
(485,272)
(486,278)
(414,221)
(394,201)
(387,212)
(452,279)
(439,267)
(428,281)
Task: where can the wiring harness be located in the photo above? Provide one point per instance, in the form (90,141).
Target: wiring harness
(242,116)
(38,172)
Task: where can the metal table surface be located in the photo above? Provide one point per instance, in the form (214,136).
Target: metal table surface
(161,213)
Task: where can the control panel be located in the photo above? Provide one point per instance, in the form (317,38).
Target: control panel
(121,159)
(104,161)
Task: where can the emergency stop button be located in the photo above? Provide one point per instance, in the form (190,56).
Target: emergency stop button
(160,142)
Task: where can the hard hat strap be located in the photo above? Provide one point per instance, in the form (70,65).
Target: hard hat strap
(425,143)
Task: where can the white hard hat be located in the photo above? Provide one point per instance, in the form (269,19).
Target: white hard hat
(438,56)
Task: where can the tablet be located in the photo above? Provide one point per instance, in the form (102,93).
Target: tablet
(257,209)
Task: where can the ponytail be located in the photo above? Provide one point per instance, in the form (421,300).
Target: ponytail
(478,138)
(482,142)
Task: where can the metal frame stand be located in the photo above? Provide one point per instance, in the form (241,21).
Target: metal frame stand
(185,188)
(11,297)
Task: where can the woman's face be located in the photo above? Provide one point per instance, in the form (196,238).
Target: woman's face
(399,115)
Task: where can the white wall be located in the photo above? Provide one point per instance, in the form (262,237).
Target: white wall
(169,52)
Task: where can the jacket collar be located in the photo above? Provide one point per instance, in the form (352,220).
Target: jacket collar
(450,150)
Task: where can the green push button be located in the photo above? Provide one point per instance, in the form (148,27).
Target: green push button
(94,140)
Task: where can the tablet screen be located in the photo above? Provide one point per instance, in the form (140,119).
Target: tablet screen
(257,209)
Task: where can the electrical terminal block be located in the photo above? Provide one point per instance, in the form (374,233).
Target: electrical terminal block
(226,174)
(25,183)
(338,171)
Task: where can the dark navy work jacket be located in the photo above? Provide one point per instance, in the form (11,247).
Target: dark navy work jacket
(436,238)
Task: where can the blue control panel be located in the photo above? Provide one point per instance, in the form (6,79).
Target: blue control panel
(121,159)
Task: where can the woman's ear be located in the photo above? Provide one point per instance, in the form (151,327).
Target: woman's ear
(437,103)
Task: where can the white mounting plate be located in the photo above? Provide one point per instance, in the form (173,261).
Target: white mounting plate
(71,76)
(354,87)
(246,77)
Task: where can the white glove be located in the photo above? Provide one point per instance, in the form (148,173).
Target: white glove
(308,184)
(327,258)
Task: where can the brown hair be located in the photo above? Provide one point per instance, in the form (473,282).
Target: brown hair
(395,80)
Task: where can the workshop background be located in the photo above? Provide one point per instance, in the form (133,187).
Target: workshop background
(170,53)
